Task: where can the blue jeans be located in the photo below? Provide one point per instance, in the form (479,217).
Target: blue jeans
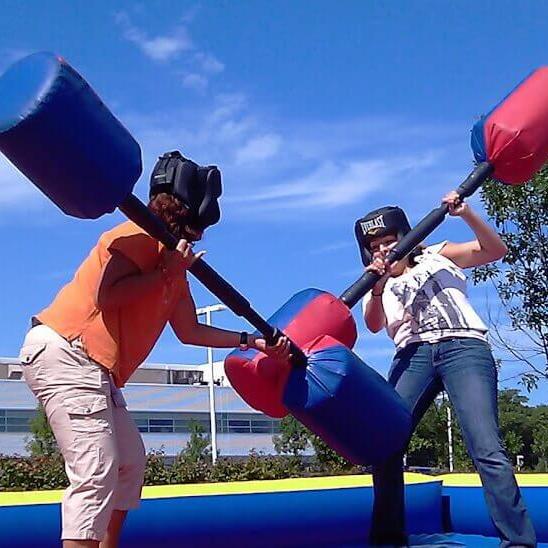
(466,369)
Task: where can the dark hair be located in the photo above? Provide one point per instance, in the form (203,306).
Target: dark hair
(414,254)
(171,210)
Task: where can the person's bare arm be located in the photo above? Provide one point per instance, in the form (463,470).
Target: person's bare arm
(189,331)
(486,248)
(374,316)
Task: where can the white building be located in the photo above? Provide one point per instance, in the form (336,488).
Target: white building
(163,399)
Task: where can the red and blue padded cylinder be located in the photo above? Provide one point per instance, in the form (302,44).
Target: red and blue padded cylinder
(348,404)
(513,137)
(58,132)
(260,380)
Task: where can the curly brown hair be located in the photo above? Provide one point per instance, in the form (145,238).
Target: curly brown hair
(171,210)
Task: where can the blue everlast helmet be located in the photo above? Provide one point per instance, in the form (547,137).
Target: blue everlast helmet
(198,187)
(378,223)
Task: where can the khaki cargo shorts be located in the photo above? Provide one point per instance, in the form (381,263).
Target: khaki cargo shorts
(103,450)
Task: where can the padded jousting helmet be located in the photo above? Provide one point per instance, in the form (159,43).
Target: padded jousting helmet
(199,187)
(378,223)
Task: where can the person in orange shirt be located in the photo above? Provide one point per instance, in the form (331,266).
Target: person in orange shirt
(100,327)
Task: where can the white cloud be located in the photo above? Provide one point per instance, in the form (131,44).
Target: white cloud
(208,63)
(368,134)
(195,81)
(327,164)
(259,148)
(226,106)
(229,120)
(157,48)
(195,66)
(333,184)
(364,167)
(164,48)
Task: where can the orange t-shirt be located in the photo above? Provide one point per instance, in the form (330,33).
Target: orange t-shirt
(120,338)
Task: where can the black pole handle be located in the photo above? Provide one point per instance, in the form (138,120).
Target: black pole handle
(139,213)
(412,239)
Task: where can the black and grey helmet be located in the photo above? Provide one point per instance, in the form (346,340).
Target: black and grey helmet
(199,187)
(378,223)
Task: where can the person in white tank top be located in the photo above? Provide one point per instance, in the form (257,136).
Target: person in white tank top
(441,344)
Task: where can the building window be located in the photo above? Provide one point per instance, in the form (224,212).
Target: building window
(16,420)
(228,423)
(164,423)
(247,424)
(184,425)
(169,423)
(161,425)
(142,424)
(187,377)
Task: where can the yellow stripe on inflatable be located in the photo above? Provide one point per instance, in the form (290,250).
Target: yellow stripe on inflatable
(240,487)
(16,498)
(270,486)
(473,480)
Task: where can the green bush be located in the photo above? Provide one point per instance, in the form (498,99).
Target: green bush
(225,469)
(257,466)
(31,473)
(188,471)
(47,472)
(156,471)
(42,442)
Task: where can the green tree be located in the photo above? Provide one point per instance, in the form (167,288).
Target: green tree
(198,448)
(515,418)
(461,459)
(520,214)
(327,459)
(193,463)
(515,423)
(429,443)
(539,445)
(293,437)
(42,442)
(540,448)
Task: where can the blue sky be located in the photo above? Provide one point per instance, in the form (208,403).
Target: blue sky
(316,112)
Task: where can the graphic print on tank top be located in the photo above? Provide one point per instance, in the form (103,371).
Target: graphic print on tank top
(426,302)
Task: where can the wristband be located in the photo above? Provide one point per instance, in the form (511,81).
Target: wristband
(244,341)
(376,294)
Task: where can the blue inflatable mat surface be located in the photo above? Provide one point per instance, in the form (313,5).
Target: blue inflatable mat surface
(296,513)
(448,540)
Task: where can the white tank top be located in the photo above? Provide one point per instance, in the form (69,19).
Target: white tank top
(429,303)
